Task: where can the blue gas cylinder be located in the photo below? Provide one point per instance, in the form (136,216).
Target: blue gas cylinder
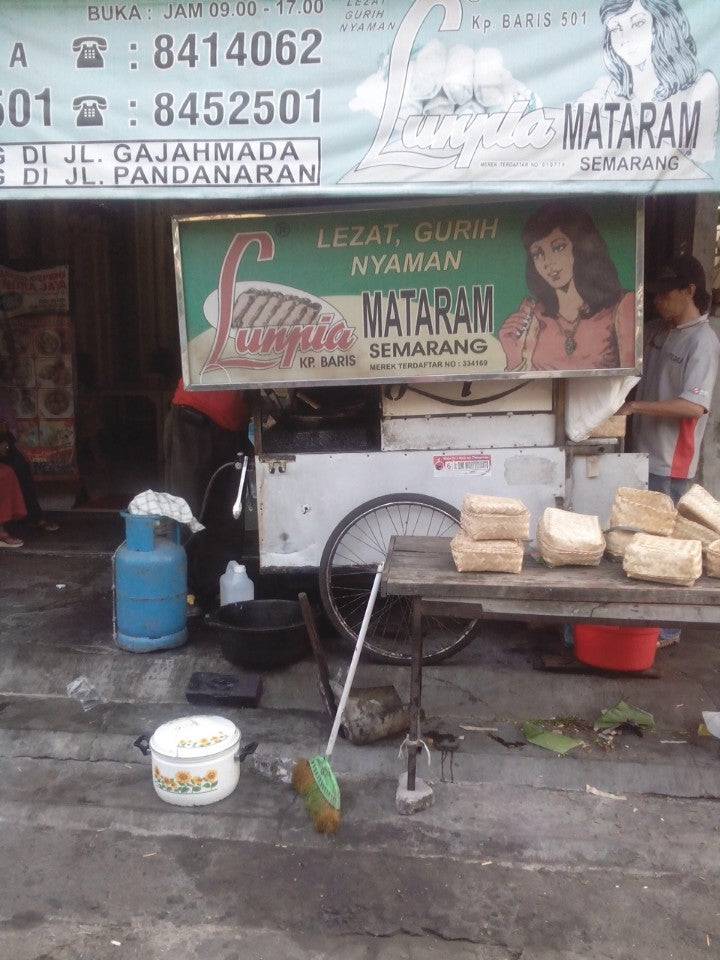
(150,586)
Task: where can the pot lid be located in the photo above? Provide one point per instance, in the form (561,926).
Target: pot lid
(201,736)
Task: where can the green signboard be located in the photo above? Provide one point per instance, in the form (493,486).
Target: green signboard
(362,295)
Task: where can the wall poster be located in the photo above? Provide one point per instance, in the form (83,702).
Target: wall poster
(346,98)
(505,289)
(36,367)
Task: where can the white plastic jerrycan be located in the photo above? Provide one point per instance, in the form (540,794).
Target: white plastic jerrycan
(235,584)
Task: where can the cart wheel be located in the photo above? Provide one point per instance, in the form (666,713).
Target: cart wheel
(348,565)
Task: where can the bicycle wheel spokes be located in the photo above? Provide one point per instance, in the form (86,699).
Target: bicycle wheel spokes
(353,551)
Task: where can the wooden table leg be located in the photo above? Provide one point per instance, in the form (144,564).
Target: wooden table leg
(415,690)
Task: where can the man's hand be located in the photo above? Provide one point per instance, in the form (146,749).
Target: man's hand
(677,409)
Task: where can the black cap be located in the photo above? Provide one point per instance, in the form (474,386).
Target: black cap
(678,275)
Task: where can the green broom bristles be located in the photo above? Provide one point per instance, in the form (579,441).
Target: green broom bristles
(314,779)
(324,816)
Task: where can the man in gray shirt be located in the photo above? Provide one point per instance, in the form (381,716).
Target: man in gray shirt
(680,365)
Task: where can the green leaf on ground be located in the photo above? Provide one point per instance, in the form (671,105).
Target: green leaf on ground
(547,739)
(621,713)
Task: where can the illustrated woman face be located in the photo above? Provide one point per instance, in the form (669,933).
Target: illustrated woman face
(631,34)
(553,258)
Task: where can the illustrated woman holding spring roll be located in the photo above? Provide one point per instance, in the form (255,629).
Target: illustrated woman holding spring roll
(578,316)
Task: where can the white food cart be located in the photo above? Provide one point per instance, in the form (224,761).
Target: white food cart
(383,390)
(331,498)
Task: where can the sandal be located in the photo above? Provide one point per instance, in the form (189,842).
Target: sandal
(668,638)
(7,541)
(49,526)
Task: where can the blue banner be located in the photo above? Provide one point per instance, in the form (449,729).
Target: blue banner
(334,98)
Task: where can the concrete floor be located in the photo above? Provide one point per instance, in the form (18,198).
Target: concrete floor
(517,858)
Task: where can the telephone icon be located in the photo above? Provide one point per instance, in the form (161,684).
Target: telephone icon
(89,111)
(88,51)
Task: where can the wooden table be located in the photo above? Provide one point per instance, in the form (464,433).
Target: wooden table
(422,568)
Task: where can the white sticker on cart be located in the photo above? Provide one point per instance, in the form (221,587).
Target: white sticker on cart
(477,464)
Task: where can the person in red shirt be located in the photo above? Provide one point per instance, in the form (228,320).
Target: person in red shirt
(12,505)
(12,457)
(203,430)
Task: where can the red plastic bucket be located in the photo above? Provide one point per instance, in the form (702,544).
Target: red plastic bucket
(616,648)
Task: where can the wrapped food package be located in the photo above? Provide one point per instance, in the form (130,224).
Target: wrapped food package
(570,539)
(699,505)
(643,510)
(685,529)
(616,542)
(612,427)
(494,518)
(663,560)
(712,559)
(458,82)
(486,556)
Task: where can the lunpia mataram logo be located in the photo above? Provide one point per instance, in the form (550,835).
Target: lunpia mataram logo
(261,325)
(450,109)
(432,139)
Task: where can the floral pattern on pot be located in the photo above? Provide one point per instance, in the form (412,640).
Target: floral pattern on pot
(186,744)
(186,782)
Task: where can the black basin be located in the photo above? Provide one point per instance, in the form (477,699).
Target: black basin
(261,634)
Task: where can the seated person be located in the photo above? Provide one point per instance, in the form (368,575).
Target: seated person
(13,458)
(12,505)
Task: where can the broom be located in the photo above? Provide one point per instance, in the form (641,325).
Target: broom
(314,779)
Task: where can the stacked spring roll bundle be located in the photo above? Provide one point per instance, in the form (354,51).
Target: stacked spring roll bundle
(663,560)
(660,543)
(491,533)
(699,519)
(570,539)
(638,511)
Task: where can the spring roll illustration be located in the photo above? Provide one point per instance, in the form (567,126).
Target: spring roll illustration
(242,306)
(491,79)
(439,106)
(472,108)
(459,74)
(305,312)
(495,87)
(267,315)
(283,311)
(426,71)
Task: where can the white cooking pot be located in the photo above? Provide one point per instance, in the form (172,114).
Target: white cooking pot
(195,760)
